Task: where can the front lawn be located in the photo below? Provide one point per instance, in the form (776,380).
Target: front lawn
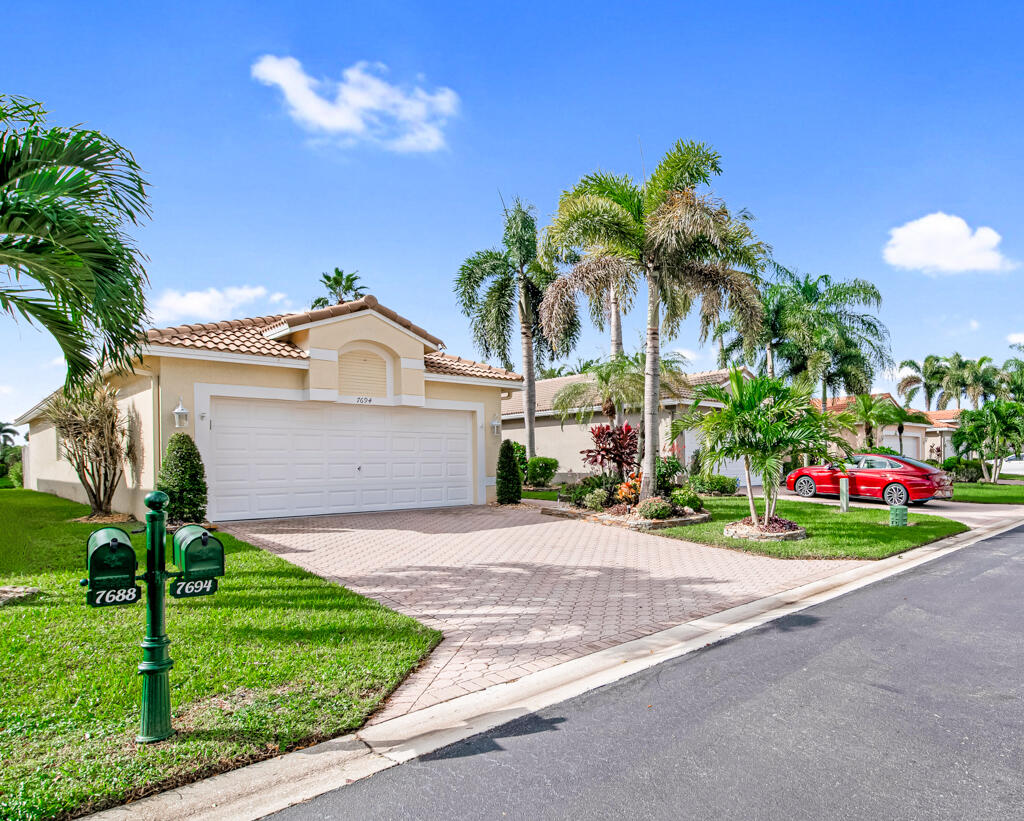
(550,495)
(863,533)
(277,659)
(984,493)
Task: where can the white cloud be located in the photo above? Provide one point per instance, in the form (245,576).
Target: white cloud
(689,355)
(6,390)
(944,244)
(211,305)
(57,362)
(973,324)
(1015,339)
(362,106)
(276,297)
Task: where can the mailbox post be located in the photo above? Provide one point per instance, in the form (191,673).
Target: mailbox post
(110,560)
(156,664)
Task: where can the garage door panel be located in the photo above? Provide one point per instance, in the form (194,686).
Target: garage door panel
(271,458)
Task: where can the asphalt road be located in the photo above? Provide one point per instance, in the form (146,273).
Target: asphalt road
(902,700)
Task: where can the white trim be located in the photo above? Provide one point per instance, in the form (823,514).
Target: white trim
(325,354)
(323,395)
(473,380)
(225,356)
(203,393)
(286,330)
(412,364)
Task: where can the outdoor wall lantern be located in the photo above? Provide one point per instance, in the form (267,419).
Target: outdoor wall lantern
(496,426)
(180,415)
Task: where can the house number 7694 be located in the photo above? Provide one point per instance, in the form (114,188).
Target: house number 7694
(364,400)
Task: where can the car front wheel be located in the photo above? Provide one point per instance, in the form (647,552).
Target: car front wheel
(895,494)
(805,487)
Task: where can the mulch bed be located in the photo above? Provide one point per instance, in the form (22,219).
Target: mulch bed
(628,522)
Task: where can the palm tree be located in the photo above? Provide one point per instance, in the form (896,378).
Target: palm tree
(925,376)
(65,194)
(900,416)
(954,381)
(1013,376)
(761,421)
(682,243)
(873,412)
(832,342)
(8,433)
(982,380)
(495,288)
(340,287)
(759,348)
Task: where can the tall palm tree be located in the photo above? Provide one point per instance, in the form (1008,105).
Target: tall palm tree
(8,433)
(497,288)
(65,194)
(900,416)
(1013,376)
(954,381)
(340,287)
(683,244)
(983,380)
(760,347)
(832,339)
(925,377)
(874,413)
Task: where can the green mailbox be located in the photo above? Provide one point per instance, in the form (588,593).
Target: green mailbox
(198,554)
(110,559)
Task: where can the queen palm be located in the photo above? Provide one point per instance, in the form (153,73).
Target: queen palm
(983,380)
(497,289)
(925,377)
(954,381)
(759,348)
(340,287)
(683,244)
(65,194)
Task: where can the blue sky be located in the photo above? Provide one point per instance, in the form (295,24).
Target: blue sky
(837,124)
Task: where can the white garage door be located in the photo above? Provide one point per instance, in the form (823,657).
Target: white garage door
(299,458)
(911,444)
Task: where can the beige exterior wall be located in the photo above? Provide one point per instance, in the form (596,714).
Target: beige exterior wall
(352,343)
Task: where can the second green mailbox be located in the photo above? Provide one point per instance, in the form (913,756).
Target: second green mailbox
(198,554)
(110,559)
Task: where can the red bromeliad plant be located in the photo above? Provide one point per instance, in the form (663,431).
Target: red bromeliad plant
(614,446)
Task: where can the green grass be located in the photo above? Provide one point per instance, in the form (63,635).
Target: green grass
(991,494)
(550,495)
(1016,476)
(6,483)
(863,533)
(277,659)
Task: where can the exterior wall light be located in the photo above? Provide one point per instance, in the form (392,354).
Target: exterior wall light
(496,426)
(180,415)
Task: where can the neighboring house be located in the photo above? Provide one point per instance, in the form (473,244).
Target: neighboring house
(343,409)
(939,437)
(915,434)
(564,441)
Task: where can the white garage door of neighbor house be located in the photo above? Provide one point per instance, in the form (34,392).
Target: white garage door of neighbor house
(274,458)
(911,444)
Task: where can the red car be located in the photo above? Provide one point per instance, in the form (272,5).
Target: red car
(896,480)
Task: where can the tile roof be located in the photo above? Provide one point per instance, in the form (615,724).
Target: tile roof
(945,419)
(841,403)
(547,388)
(249,336)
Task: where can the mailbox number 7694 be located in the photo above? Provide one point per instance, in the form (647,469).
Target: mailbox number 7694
(196,587)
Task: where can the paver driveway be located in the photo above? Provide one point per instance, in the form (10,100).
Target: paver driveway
(514,591)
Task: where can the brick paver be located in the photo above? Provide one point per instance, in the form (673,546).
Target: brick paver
(514,591)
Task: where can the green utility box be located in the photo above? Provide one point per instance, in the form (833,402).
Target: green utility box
(110,559)
(897,516)
(198,554)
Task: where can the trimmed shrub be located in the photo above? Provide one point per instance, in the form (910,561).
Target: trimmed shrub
(963,470)
(15,474)
(715,483)
(540,470)
(685,496)
(596,499)
(183,479)
(509,479)
(666,470)
(654,508)
(882,450)
(520,453)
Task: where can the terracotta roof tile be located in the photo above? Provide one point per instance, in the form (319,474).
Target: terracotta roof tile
(366,303)
(444,363)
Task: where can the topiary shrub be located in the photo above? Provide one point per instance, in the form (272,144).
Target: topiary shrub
(654,508)
(596,499)
(520,452)
(183,479)
(715,483)
(15,474)
(540,470)
(685,496)
(509,479)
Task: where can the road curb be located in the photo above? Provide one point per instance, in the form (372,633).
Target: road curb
(259,789)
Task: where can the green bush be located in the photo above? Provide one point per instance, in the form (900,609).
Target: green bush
(509,479)
(16,475)
(715,483)
(520,453)
(596,499)
(577,492)
(963,470)
(883,450)
(665,472)
(685,496)
(654,508)
(3,469)
(183,479)
(540,470)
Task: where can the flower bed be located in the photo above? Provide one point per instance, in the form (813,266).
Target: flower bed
(630,521)
(777,530)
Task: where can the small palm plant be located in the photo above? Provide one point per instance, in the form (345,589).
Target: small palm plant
(900,416)
(761,421)
(340,287)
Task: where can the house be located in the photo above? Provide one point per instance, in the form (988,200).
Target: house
(564,441)
(343,409)
(915,434)
(939,436)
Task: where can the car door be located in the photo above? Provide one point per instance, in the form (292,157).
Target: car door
(826,478)
(871,475)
